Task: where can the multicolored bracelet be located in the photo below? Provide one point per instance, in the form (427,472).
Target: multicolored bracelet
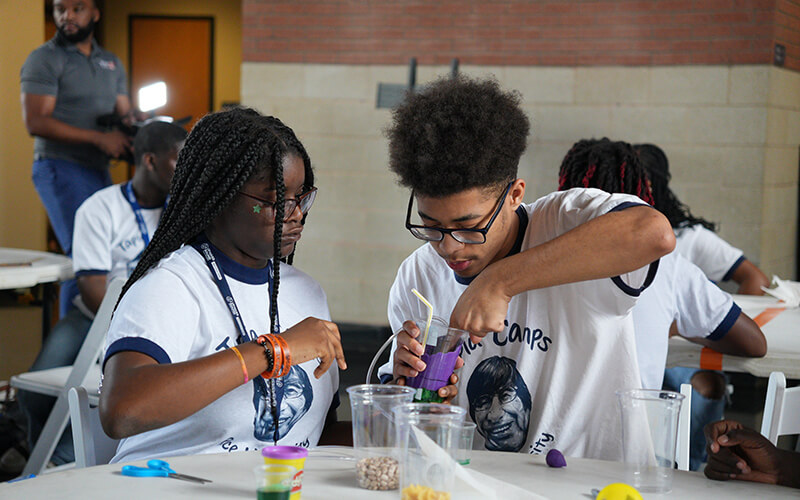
(241,361)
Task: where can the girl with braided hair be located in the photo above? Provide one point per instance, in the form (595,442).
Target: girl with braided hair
(680,300)
(202,354)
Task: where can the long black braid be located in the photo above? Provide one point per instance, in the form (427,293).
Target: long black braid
(612,166)
(656,165)
(222,152)
(290,143)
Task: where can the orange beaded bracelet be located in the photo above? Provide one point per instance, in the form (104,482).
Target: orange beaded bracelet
(266,342)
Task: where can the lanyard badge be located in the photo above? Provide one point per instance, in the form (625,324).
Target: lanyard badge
(207,252)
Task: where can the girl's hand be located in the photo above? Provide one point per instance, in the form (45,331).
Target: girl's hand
(315,338)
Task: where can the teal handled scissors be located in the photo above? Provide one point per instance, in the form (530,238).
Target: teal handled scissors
(159,468)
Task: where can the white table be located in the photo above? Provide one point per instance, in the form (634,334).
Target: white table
(781,327)
(335,479)
(28,268)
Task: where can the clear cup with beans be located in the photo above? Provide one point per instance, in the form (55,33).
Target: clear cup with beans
(375,433)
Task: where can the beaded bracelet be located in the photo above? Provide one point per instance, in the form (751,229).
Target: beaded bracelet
(279,358)
(241,361)
(269,352)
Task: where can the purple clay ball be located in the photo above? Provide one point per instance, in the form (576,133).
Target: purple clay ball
(555,459)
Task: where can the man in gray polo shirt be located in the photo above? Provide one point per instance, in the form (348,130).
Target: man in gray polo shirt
(66,84)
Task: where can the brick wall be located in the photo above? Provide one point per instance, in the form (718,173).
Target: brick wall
(787,30)
(513,32)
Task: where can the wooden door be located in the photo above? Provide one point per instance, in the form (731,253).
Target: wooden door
(178,51)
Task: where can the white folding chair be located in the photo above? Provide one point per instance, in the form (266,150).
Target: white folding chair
(781,409)
(684,429)
(92,444)
(57,381)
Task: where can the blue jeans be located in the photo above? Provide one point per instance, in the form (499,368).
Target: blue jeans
(704,411)
(62,186)
(60,349)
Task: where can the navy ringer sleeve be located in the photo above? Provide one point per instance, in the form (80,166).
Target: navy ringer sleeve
(137,344)
(726,324)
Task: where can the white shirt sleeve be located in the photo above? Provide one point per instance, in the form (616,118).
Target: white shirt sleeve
(703,310)
(569,209)
(158,316)
(92,236)
(716,257)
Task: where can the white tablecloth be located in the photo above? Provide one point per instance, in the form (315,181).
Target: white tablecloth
(783,342)
(335,479)
(31,268)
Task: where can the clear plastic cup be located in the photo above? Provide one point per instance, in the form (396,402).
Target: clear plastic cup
(442,348)
(375,433)
(465,437)
(274,481)
(428,435)
(649,434)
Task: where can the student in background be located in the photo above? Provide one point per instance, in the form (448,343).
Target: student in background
(112,228)
(681,296)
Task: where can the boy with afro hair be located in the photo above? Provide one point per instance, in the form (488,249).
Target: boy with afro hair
(548,285)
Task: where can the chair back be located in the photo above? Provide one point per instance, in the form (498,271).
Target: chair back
(85,365)
(682,447)
(92,445)
(781,409)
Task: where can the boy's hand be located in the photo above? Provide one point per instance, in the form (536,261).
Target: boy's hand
(482,308)
(408,364)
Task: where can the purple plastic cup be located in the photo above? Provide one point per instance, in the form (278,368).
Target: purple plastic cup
(442,348)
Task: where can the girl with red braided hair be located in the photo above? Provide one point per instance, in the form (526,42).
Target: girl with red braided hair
(680,300)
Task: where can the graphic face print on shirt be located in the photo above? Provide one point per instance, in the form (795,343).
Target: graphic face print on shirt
(294,398)
(500,404)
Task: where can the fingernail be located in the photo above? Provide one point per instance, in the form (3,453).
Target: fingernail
(414,373)
(723,439)
(420,366)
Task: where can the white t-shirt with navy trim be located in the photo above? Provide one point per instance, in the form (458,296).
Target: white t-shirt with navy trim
(107,239)
(703,248)
(548,379)
(176,313)
(682,293)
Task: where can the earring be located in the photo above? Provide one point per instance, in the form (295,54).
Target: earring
(256,209)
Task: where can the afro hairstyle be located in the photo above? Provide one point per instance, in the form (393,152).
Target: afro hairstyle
(457,134)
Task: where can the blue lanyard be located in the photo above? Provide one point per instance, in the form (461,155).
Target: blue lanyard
(225,290)
(137,211)
(222,284)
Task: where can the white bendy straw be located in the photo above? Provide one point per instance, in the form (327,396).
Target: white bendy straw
(430,315)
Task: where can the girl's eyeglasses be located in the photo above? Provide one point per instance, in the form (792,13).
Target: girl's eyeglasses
(304,201)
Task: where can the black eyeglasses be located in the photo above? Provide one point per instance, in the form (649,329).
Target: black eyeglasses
(304,201)
(466,236)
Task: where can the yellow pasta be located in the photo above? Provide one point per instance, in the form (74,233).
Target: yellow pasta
(418,492)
